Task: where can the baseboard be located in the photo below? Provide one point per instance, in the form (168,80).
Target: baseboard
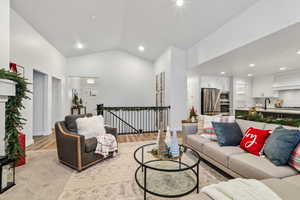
(41,133)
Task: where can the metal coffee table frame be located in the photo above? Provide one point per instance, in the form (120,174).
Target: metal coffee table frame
(144,167)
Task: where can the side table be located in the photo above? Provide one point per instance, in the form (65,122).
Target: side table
(188,128)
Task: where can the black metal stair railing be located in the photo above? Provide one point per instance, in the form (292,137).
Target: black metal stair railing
(135,120)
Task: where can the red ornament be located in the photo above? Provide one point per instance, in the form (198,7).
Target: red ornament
(13,67)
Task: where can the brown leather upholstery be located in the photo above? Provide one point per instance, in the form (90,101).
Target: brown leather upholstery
(73,150)
(90,145)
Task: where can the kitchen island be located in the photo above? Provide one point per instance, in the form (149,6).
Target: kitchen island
(295,111)
(283,116)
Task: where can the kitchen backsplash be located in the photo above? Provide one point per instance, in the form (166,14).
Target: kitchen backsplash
(291,98)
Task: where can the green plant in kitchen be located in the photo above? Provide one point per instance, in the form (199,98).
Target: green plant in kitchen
(258,117)
(13,117)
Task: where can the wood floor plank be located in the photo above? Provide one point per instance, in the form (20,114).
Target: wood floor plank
(49,142)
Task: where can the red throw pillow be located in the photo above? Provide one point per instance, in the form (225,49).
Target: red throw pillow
(254,140)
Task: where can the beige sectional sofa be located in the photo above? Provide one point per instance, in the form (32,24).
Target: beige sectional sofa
(235,161)
(284,180)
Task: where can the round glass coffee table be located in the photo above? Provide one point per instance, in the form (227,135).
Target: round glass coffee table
(166,177)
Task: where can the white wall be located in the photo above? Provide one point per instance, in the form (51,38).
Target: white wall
(194,92)
(29,49)
(174,63)
(124,79)
(163,64)
(4,34)
(260,20)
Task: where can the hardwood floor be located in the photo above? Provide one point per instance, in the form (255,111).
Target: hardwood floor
(48,142)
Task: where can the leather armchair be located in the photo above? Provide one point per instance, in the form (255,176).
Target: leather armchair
(73,149)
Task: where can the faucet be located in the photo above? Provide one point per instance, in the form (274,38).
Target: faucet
(267,100)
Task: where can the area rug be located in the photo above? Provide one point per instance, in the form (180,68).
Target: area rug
(114,179)
(44,178)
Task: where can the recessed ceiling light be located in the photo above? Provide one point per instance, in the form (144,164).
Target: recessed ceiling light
(179,3)
(141,48)
(93,17)
(79,45)
(282,68)
(298,52)
(223,73)
(252,65)
(250,75)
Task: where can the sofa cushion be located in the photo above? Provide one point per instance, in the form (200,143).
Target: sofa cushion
(271,126)
(70,121)
(245,124)
(220,154)
(274,126)
(90,145)
(280,145)
(283,189)
(196,142)
(251,166)
(228,134)
(293,180)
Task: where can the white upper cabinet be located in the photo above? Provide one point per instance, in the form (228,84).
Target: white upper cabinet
(242,92)
(287,81)
(220,82)
(263,87)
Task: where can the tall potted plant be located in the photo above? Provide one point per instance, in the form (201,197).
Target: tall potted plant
(14,121)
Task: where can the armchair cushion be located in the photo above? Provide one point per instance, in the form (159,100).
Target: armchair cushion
(70,121)
(90,145)
(90,127)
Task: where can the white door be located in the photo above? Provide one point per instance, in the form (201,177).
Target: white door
(56,101)
(40,96)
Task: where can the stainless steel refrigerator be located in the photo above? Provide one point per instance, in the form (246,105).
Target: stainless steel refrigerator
(210,101)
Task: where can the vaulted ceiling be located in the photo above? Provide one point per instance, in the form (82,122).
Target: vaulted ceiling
(102,25)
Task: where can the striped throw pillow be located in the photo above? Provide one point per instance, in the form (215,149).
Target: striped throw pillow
(295,158)
(208,133)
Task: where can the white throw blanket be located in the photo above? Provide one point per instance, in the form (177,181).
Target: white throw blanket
(240,189)
(106,143)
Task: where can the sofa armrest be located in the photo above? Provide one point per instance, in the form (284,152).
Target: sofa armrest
(111,130)
(70,146)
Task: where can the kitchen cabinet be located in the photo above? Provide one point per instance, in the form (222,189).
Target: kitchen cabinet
(220,82)
(242,92)
(262,87)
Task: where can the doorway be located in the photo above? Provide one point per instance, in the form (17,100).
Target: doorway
(56,100)
(40,102)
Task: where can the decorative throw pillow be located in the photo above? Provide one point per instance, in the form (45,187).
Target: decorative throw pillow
(228,134)
(205,127)
(281,144)
(294,160)
(208,133)
(254,140)
(90,127)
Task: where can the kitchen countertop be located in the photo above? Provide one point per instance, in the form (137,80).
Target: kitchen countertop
(273,110)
